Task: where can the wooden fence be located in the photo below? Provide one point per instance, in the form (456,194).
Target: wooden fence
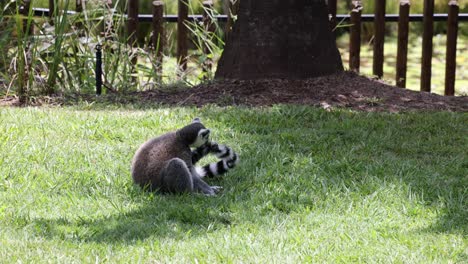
(379,18)
(403,19)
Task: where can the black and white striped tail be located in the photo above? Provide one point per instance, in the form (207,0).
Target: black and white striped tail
(229,160)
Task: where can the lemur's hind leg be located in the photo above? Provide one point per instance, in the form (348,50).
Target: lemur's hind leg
(202,187)
(176,177)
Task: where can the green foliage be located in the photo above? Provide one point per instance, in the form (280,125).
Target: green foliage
(60,56)
(391,6)
(312,186)
(145,5)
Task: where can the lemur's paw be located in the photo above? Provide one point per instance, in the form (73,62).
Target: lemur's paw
(217,189)
(208,192)
(204,149)
(214,147)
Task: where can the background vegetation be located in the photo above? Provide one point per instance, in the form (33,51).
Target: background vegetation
(60,58)
(325,187)
(343,5)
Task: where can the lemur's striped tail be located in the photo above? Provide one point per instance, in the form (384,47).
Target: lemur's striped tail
(229,160)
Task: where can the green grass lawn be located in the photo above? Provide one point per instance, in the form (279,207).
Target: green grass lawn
(312,186)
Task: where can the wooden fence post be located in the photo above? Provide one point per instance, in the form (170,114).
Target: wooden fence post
(51,11)
(209,31)
(355,37)
(451,53)
(79,6)
(158,35)
(379,29)
(79,10)
(402,49)
(132,22)
(182,38)
(332,12)
(428,29)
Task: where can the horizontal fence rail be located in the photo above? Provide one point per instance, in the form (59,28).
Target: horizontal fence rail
(438,17)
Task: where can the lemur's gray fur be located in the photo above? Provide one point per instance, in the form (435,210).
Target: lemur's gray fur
(166,163)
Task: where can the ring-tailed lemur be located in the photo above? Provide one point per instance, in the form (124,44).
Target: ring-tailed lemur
(166,163)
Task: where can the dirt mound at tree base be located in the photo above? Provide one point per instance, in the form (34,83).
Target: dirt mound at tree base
(343,90)
(347,90)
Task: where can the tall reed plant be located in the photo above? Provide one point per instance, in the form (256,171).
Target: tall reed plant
(17,56)
(59,49)
(208,43)
(43,56)
(58,56)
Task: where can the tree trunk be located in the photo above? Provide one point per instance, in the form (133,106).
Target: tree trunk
(288,39)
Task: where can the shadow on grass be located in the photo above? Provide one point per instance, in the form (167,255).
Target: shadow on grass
(175,217)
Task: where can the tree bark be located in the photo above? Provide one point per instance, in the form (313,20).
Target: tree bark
(288,39)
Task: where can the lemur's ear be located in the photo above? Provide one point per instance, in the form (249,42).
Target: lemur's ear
(196,120)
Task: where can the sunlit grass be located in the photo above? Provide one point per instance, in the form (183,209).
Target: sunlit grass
(312,186)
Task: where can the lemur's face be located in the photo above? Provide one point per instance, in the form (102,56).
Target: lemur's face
(203,136)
